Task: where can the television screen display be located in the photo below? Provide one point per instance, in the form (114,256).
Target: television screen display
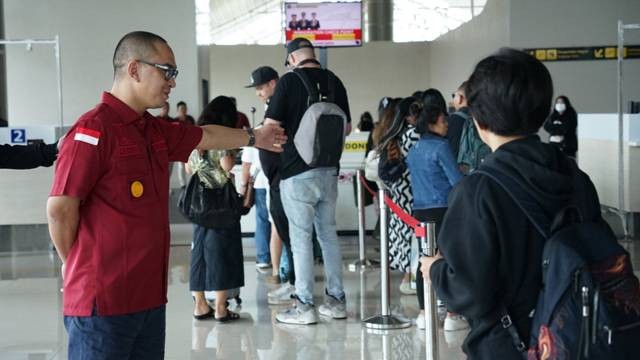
(325,24)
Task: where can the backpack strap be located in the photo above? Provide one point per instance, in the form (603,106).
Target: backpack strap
(526,202)
(332,81)
(312,89)
(538,218)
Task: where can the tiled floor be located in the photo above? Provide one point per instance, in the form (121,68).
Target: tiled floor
(31,325)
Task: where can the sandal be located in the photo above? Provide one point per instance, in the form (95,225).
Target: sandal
(208,315)
(231,316)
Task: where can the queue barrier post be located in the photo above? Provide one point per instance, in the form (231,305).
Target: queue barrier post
(428,245)
(362,263)
(384,321)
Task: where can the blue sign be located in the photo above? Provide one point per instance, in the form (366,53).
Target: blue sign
(18,136)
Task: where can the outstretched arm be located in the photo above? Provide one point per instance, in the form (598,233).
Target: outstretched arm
(27,156)
(268,137)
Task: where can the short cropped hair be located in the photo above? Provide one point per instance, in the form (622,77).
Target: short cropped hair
(509,93)
(181,103)
(428,116)
(135,45)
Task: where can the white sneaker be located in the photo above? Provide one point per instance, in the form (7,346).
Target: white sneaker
(299,314)
(405,288)
(281,295)
(333,308)
(263,268)
(455,339)
(455,322)
(263,265)
(420,321)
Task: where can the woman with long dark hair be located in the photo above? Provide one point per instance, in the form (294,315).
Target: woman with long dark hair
(216,253)
(398,136)
(562,125)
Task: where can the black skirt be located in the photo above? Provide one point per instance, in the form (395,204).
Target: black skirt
(216,259)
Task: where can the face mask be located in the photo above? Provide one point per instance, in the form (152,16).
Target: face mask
(561,107)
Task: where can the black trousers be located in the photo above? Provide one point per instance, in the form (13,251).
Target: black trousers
(282,225)
(427,215)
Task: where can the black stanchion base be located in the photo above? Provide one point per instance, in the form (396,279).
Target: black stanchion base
(385,322)
(365,264)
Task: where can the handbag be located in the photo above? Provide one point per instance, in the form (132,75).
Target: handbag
(211,208)
(249,197)
(371,166)
(391,169)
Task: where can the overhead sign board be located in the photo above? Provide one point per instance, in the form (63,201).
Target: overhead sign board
(584,53)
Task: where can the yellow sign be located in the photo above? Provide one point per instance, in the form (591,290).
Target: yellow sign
(355,146)
(610,52)
(598,53)
(347,36)
(137,189)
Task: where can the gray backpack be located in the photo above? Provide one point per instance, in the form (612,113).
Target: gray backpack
(320,136)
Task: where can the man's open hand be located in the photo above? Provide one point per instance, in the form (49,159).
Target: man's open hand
(270,137)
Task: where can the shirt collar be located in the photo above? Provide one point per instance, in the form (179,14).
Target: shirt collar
(127,114)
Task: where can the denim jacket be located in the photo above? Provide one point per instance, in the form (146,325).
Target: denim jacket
(433,172)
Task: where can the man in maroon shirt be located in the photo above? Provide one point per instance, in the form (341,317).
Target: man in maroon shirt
(108,207)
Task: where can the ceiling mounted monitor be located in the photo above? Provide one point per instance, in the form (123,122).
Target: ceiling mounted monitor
(325,24)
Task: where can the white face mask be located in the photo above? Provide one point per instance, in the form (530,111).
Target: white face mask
(561,107)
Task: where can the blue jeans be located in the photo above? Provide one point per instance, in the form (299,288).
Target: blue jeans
(309,200)
(132,336)
(263,227)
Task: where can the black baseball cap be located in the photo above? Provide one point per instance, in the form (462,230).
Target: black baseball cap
(296,44)
(262,75)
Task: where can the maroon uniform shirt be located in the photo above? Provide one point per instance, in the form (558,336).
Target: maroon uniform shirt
(117,162)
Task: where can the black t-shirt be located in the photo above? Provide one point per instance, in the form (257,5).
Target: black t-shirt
(288,104)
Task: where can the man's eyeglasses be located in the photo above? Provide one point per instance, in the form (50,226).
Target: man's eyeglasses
(170,73)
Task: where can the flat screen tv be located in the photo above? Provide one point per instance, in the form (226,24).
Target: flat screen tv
(325,24)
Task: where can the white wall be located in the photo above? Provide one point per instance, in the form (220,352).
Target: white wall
(591,85)
(89,31)
(598,156)
(204,72)
(368,73)
(453,56)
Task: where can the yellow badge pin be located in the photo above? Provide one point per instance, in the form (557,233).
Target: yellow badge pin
(137,189)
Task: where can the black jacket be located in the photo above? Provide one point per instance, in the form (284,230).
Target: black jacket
(565,125)
(27,156)
(491,251)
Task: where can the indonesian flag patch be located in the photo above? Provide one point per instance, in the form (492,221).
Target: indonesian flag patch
(87,135)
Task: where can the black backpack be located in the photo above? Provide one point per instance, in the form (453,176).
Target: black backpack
(589,302)
(391,170)
(320,136)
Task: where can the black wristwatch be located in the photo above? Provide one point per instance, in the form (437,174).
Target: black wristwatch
(252,137)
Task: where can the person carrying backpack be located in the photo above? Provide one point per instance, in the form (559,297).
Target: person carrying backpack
(495,265)
(471,151)
(311,104)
